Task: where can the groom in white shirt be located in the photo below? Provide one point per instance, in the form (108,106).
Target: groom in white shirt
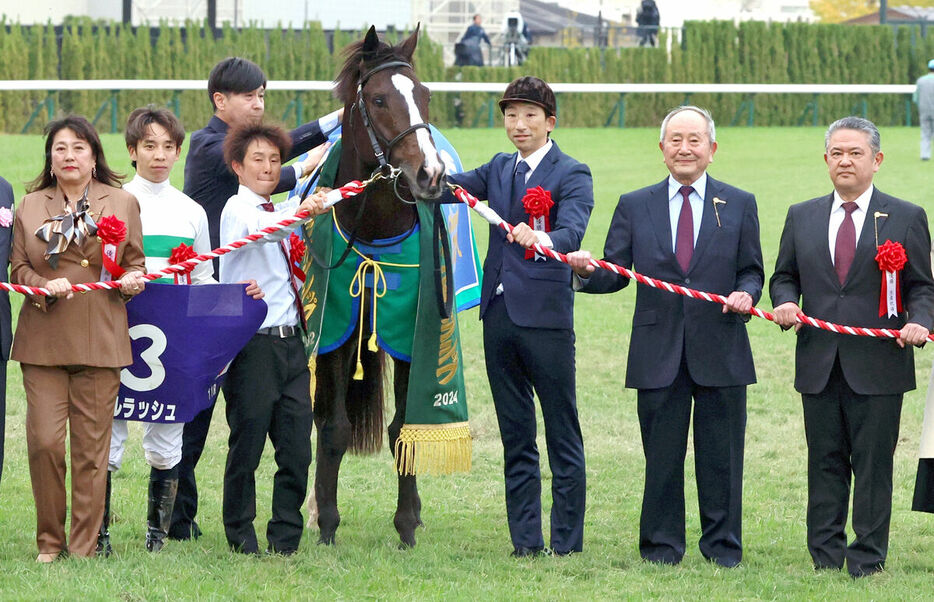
(267,386)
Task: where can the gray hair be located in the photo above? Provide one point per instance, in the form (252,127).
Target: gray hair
(711,128)
(860,125)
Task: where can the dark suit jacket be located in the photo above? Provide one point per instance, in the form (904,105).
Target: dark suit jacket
(804,270)
(208,180)
(6,245)
(538,294)
(726,258)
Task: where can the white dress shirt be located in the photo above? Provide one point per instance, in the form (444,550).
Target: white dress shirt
(837,213)
(532,161)
(264,260)
(675,201)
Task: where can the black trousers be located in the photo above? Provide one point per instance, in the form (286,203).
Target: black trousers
(194,437)
(849,434)
(517,360)
(267,393)
(719,440)
(3,364)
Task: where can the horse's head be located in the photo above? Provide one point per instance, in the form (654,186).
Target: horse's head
(387,112)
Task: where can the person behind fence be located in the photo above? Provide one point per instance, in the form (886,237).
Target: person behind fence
(856,256)
(267,390)
(236,88)
(692,230)
(75,225)
(169,218)
(6,325)
(648,18)
(527,308)
(468,49)
(924,98)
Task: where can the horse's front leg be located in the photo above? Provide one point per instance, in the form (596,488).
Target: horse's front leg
(333,437)
(408,504)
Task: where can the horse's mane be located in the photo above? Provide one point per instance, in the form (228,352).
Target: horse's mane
(346,83)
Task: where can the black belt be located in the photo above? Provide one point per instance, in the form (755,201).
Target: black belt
(283,332)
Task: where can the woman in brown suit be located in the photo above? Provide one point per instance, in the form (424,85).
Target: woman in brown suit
(72,347)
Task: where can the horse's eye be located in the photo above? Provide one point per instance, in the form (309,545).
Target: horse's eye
(379,101)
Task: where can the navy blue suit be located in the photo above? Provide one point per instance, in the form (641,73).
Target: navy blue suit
(528,334)
(682,348)
(209,182)
(852,387)
(6,327)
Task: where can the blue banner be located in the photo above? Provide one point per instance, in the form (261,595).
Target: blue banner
(183,337)
(465,256)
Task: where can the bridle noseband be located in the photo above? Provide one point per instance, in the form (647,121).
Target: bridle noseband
(382,157)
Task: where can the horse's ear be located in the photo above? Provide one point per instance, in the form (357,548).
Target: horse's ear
(370,43)
(407,48)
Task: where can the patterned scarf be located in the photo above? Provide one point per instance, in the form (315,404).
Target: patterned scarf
(60,230)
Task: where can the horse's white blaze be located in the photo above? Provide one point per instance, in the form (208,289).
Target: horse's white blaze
(406,87)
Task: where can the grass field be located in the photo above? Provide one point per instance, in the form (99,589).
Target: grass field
(463,550)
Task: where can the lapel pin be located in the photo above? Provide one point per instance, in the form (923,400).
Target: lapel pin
(717,201)
(875,224)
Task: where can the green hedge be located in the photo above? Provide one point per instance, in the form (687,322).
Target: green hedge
(709,52)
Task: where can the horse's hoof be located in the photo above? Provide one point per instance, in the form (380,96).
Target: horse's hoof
(326,541)
(403,545)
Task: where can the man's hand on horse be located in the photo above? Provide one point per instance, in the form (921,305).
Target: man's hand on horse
(580,263)
(314,158)
(524,235)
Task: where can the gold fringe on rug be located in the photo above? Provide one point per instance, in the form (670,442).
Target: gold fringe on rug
(433,449)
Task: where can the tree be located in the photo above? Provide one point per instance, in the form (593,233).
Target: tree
(836,11)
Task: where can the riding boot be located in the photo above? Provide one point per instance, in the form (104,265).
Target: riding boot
(163,486)
(103,534)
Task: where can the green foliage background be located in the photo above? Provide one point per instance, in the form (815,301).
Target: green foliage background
(709,52)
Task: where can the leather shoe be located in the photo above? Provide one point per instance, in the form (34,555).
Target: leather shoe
(51,557)
(524,552)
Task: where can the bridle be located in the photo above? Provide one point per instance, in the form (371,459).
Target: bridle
(375,138)
(443,272)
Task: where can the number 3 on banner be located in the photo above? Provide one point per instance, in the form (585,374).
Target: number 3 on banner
(150,355)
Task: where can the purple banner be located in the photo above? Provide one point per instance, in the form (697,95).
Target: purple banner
(183,338)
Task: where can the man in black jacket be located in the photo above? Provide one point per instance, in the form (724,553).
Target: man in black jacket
(237,88)
(6,328)
(852,386)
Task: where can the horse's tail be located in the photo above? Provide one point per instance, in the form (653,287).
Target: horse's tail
(365,404)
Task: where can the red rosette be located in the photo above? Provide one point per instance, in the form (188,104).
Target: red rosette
(891,256)
(296,254)
(537,202)
(296,249)
(179,254)
(111,230)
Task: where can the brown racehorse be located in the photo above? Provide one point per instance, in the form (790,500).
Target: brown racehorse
(385,116)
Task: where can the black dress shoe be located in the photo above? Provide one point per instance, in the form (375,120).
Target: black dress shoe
(524,552)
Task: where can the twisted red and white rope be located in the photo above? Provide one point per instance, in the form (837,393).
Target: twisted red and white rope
(493,218)
(334,196)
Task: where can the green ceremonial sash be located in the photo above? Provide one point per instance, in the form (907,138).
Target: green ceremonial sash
(435,437)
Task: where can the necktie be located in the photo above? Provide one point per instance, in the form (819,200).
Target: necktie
(684,240)
(845,247)
(269,207)
(518,185)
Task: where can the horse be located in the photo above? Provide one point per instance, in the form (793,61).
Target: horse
(385,130)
